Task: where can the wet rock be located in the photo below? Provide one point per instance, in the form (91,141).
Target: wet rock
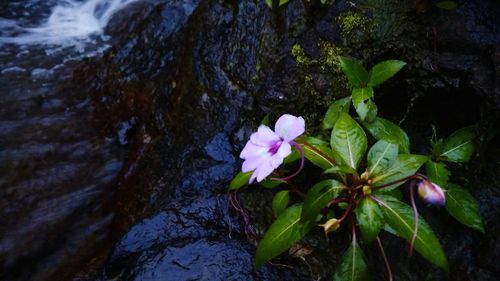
(183,88)
(194,78)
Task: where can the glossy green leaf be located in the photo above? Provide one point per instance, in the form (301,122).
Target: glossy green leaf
(319,196)
(269,183)
(319,155)
(353,266)
(395,192)
(287,230)
(240,180)
(367,111)
(370,219)
(340,169)
(447,5)
(463,207)
(381,156)
(382,129)
(365,107)
(349,140)
(400,218)
(333,112)
(404,166)
(280,202)
(438,173)
(360,95)
(459,146)
(355,72)
(383,71)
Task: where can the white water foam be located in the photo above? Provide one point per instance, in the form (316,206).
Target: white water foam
(71,23)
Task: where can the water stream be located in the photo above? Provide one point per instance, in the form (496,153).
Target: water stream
(56,169)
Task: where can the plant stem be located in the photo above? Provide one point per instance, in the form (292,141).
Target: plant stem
(415,212)
(349,208)
(336,201)
(386,261)
(414,176)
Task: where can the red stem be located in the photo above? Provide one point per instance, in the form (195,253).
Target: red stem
(415,212)
(386,261)
(415,176)
(349,208)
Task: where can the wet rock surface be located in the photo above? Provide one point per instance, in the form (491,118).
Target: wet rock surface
(182,89)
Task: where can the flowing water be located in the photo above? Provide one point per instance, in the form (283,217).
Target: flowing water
(55,168)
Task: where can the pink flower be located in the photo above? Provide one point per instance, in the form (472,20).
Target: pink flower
(431,193)
(266,148)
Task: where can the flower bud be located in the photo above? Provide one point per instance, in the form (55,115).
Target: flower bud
(330,225)
(367,190)
(431,193)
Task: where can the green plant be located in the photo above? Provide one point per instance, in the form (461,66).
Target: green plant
(362,180)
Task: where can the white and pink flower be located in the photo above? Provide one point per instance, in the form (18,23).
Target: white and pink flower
(266,149)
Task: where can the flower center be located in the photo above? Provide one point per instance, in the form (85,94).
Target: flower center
(275,146)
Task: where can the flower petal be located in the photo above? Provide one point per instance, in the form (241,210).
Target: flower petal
(264,170)
(264,136)
(289,127)
(284,150)
(252,150)
(253,163)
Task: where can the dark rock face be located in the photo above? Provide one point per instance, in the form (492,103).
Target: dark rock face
(183,88)
(193,77)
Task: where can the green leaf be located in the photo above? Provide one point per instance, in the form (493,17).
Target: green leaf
(353,266)
(395,192)
(463,207)
(294,156)
(265,120)
(280,201)
(240,180)
(269,3)
(349,140)
(287,230)
(333,112)
(404,166)
(400,218)
(360,95)
(283,2)
(269,183)
(340,169)
(382,129)
(355,72)
(381,156)
(367,111)
(319,155)
(383,71)
(447,5)
(319,196)
(317,151)
(365,107)
(459,146)
(370,219)
(437,172)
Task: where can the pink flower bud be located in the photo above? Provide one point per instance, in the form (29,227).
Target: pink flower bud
(431,193)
